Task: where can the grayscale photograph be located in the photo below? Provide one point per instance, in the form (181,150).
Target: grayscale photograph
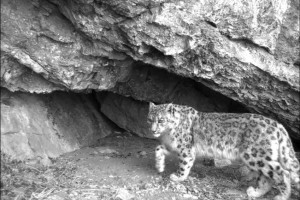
(150,100)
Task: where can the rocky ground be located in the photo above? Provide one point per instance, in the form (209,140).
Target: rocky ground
(120,167)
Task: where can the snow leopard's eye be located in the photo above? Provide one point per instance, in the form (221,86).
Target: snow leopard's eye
(161,121)
(150,120)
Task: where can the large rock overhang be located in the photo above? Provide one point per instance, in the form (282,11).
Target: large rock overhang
(244,50)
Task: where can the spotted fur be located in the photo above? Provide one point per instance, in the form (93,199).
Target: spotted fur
(262,144)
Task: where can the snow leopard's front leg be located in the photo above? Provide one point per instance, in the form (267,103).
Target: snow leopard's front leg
(187,157)
(160,155)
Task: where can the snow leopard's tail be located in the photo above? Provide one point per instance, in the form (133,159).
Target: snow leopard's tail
(287,157)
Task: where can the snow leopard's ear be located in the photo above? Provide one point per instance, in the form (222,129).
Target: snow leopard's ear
(151,105)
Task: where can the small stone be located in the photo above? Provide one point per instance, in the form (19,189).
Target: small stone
(124,194)
(55,197)
(107,151)
(222,163)
(94,153)
(189,196)
(142,153)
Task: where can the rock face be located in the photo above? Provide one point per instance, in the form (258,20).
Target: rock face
(246,50)
(127,113)
(46,126)
(17,77)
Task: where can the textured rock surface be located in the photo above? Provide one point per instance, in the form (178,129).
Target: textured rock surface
(17,77)
(38,36)
(127,113)
(46,126)
(246,50)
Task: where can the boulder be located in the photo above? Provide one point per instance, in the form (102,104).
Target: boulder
(41,127)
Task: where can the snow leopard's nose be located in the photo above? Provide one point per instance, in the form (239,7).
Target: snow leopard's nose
(153,128)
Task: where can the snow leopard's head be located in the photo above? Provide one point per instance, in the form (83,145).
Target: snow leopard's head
(162,118)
